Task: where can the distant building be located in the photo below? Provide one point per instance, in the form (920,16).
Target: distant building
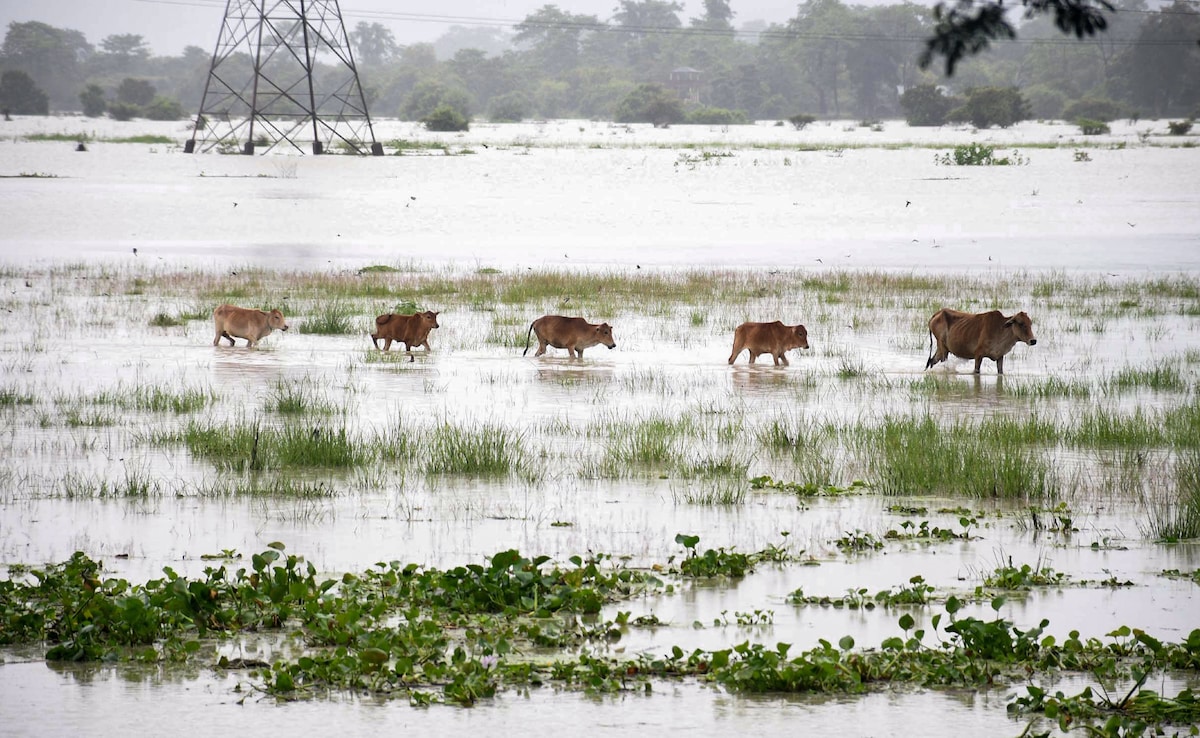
(686,82)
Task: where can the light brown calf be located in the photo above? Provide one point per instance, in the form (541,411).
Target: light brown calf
(977,336)
(768,338)
(410,330)
(573,334)
(253,325)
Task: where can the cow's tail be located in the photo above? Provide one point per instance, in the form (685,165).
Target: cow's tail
(528,333)
(929,361)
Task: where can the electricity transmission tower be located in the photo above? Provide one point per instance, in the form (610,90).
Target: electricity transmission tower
(283,73)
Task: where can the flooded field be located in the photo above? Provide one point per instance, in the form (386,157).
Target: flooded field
(316,533)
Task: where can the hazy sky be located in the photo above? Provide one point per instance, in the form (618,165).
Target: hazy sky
(169,25)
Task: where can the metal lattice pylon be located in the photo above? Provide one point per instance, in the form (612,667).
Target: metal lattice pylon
(265,88)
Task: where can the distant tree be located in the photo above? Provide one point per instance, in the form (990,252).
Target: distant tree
(52,57)
(717,117)
(491,41)
(430,95)
(19,94)
(650,103)
(925,105)
(800,121)
(1163,67)
(446,118)
(123,110)
(1094,108)
(994,106)
(717,16)
(125,52)
(1045,102)
(92,99)
(162,108)
(969,27)
(554,36)
(133,91)
(373,43)
(509,107)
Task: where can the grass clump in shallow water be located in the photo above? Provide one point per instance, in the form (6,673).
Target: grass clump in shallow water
(1178,519)
(485,450)
(329,318)
(917,456)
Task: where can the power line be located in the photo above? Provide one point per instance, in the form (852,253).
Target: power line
(772,33)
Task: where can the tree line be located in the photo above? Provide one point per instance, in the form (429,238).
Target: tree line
(647,62)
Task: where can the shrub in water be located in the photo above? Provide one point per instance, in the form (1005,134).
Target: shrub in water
(802,120)
(446,118)
(1094,108)
(1092,127)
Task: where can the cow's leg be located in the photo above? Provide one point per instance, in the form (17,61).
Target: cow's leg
(753,355)
(1000,365)
(781,357)
(737,349)
(229,338)
(578,353)
(978,362)
(217,340)
(541,347)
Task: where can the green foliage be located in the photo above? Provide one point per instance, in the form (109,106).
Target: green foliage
(330,318)
(807,489)
(487,450)
(925,105)
(1094,108)
(716,117)
(19,94)
(429,96)
(1092,127)
(995,106)
(975,155)
(713,562)
(800,121)
(162,108)
(136,92)
(650,103)
(1045,102)
(1023,577)
(1179,127)
(510,107)
(92,99)
(123,111)
(446,118)
(162,320)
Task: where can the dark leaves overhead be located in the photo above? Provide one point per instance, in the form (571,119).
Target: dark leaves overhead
(968,28)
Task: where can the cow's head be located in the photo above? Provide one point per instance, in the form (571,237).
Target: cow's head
(604,335)
(430,317)
(1022,328)
(801,336)
(276,321)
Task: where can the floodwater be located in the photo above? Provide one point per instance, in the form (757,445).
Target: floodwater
(573,195)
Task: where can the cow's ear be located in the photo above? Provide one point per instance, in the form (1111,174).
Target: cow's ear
(1009,322)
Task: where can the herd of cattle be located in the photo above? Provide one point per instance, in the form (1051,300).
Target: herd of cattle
(977,336)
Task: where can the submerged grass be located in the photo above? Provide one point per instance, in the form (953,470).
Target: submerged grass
(484,450)
(917,456)
(1178,517)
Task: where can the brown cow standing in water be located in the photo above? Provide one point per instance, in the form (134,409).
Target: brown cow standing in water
(977,336)
(768,338)
(253,325)
(411,330)
(573,334)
